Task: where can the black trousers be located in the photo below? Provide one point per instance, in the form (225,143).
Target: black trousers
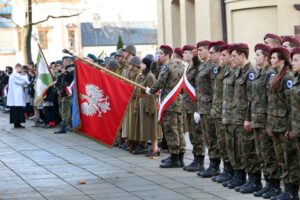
(49,114)
(17,115)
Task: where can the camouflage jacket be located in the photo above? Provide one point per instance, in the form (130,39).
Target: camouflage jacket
(259,101)
(295,106)
(228,91)
(187,104)
(168,77)
(279,105)
(242,94)
(218,74)
(204,90)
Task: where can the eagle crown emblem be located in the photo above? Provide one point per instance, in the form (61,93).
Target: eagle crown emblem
(94,101)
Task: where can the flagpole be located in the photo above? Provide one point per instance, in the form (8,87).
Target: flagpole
(106,70)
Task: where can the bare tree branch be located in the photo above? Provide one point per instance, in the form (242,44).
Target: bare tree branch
(54,17)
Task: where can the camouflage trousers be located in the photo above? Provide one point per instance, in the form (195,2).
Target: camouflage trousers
(298,149)
(196,135)
(246,143)
(266,153)
(220,131)
(232,147)
(211,140)
(173,132)
(66,110)
(287,147)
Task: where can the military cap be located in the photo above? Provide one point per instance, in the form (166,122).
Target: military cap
(273,36)
(283,50)
(237,46)
(225,47)
(119,52)
(113,54)
(59,62)
(217,43)
(92,56)
(188,47)
(147,62)
(136,61)
(203,43)
(167,47)
(295,51)
(52,63)
(290,39)
(67,57)
(130,48)
(178,51)
(150,56)
(112,64)
(263,47)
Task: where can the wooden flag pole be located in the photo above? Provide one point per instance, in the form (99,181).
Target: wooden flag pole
(106,70)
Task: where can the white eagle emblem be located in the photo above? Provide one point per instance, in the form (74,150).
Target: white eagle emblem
(94,101)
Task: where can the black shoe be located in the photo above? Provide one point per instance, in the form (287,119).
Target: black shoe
(172,163)
(166,159)
(290,193)
(264,189)
(238,188)
(214,170)
(181,159)
(18,126)
(226,183)
(240,179)
(196,165)
(125,145)
(254,184)
(226,175)
(140,149)
(63,130)
(273,190)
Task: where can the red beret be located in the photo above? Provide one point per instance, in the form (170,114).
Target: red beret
(237,46)
(166,47)
(188,47)
(283,50)
(295,51)
(291,40)
(178,51)
(263,47)
(273,36)
(217,43)
(225,47)
(203,43)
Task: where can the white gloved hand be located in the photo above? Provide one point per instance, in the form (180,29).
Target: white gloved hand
(197,117)
(148,91)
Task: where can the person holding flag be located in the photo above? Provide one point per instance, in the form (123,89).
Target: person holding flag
(170,113)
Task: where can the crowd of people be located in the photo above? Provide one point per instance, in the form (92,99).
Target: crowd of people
(247,116)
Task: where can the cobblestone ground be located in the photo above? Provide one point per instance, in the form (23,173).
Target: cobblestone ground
(37,164)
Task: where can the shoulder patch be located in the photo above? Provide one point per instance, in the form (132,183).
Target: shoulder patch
(251,76)
(271,76)
(215,70)
(163,68)
(289,84)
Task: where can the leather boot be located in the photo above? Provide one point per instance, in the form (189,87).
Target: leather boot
(196,165)
(290,193)
(264,189)
(254,184)
(181,159)
(239,180)
(226,174)
(215,169)
(62,130)
(172,163)
(166,159)
(208,169)
(273,190)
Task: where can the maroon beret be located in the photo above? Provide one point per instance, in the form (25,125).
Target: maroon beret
(203,43)
(217,43)
(263,47)
(291,40)
(237,46)
(283,50)
(225,47)
(273,36)
(166,47)
(295,51)
(188,47)
(178,51)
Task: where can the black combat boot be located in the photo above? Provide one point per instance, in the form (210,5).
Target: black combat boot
(264,189)
(235,176)
(215,169)
(166,159)
(226,174)
(290,193)
(172,163)
(196,165)
(208,169)
(254,184)
(181,159)
(62,130)
(273,190)
(240,179)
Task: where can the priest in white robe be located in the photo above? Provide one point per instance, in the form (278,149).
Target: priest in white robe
(16,96)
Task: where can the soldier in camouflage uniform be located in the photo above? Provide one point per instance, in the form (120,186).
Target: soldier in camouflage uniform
(216,110)
(189,108)
(242,121)
(168,78)
(259,103)
(204,93)
(279,122)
